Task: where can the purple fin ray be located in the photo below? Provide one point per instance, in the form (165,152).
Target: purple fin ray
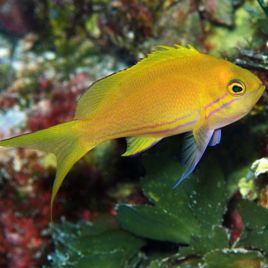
(216,138)
(194,147)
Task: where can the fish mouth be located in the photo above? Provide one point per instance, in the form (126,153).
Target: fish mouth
(262,87)
(260,90)
(253,96)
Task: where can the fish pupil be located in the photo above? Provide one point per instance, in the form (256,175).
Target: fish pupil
(237,89)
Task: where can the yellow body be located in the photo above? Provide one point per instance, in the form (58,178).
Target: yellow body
(157,98)
(174,90)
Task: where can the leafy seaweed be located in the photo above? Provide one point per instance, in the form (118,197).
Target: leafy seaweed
(264,6)
(256,226)
(95,244)
(233,258)
(185,215)
(192,216)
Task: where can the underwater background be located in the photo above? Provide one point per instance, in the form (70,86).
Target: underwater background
(113,211)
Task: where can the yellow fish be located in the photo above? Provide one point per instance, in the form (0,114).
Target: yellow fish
(171,91)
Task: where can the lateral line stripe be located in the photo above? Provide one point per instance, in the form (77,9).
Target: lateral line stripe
(176,128)
(221,107)
(215,101)
(153,126)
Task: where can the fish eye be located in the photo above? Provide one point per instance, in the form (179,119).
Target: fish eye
(237,88)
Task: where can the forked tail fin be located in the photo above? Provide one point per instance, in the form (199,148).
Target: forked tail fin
(66,141)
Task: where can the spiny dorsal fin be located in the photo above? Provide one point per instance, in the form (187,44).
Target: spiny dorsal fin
(137,145)
(161,53)
(89,103)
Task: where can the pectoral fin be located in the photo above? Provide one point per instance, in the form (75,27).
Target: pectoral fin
(194,147)
(137,145)
(216,138)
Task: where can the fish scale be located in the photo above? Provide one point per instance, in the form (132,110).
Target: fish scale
(171,91)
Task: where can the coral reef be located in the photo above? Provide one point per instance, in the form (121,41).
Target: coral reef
(113,211)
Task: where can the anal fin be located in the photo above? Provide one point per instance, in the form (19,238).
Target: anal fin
(137,145)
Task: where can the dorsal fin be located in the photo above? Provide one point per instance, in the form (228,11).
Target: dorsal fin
(89,102)
(161,53)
